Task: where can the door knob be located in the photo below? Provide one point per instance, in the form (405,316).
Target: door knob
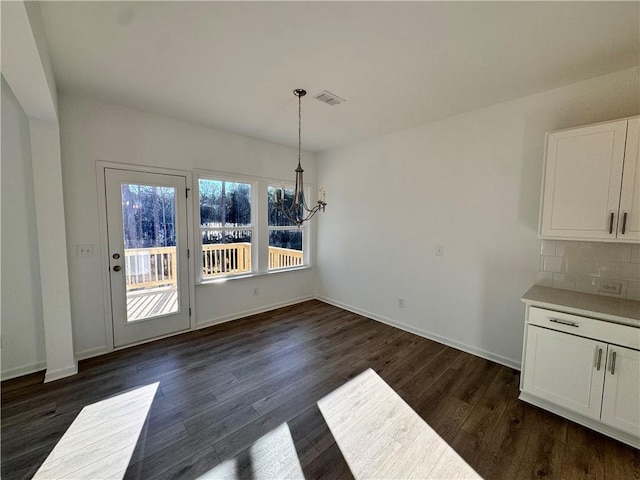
(116,256)
(116,268)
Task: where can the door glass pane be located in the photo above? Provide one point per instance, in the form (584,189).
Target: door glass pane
(151,260)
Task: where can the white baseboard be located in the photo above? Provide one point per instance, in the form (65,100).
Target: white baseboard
(72,370)
(50,376)
(253,311)
(508,362)
(93,352)
(21,371)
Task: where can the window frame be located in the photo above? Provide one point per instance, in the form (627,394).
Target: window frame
(223,177)
(259,226)
(303,228)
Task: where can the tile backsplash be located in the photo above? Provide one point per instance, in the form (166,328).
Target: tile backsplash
(584,266)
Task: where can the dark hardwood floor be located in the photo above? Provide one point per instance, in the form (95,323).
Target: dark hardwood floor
(223,387)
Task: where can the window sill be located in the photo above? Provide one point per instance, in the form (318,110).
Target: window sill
(229,278)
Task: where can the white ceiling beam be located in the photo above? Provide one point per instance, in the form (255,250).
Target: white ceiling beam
(25,60)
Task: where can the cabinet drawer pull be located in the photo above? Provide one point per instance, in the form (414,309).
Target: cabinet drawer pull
(611,224)
(599,359)
(613,363)
(624,222)
(564,322)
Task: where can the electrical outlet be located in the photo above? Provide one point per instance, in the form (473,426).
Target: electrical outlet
(84,250)
(401,302)
(610,287)
(255,291)
(439,250)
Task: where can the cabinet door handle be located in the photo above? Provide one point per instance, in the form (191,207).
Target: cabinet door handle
(564,322)
(611,224)
(599,364)
(613,363)
(624,222)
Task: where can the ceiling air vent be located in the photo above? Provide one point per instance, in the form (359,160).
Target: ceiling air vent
(329,98)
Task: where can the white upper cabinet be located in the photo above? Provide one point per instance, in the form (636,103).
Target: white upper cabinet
(591,184)
(630,194)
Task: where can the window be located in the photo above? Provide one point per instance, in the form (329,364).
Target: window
(226,227)
(233,240)
(286,240)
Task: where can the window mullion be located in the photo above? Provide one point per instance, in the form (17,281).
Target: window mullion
(262,222)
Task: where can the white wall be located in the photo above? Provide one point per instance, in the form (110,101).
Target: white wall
(95,131)
(22,319)
(470,183)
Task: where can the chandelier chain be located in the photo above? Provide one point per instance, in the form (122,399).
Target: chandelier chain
(299,127)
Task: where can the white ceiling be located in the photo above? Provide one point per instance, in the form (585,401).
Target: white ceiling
(233,65)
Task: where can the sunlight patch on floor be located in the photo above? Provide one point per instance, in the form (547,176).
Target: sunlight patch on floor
(272,456)
(100,441)
(380,436)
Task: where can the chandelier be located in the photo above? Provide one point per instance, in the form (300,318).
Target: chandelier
(296,210)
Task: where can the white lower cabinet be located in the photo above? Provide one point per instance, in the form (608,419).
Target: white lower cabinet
(568,370)
(621,400)
(564,369)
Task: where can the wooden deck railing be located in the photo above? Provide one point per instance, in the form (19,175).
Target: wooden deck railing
(221,258)
(156,267)
(284,257)
(150,267)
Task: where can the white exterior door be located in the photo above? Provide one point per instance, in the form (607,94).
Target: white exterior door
(629,224)
(565,369)
(582,181)
(147,248)
(621,401)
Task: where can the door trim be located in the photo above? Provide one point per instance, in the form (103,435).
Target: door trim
(104,244)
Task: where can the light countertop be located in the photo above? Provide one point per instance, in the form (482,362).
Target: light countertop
(618,310)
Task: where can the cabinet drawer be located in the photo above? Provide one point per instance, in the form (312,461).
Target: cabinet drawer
(586,327)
